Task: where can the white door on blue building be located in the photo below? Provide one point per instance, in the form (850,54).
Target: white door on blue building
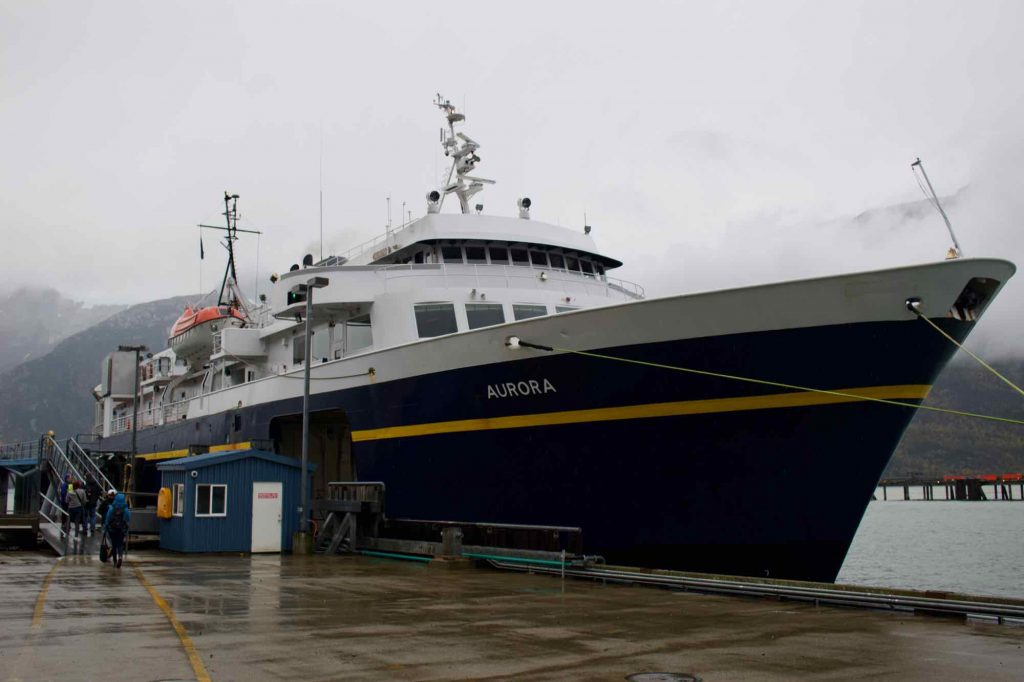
(266,517)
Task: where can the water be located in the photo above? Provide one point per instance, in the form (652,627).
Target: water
(969,547)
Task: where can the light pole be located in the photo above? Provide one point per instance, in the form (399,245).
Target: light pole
(302,543)
(130,483)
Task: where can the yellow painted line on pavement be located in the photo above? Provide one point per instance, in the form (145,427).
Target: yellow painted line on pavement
(186,642)
(37,614)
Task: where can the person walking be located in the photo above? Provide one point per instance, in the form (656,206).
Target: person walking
(76,506)
(115,525)
(92,497)
(62,493)
(105,505)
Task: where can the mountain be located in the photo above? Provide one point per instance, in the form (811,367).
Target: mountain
(938,444)
(53,391)
(34,320)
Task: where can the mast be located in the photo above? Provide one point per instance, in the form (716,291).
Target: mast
(464,157)
(231,216)
(230,294)
(934,198)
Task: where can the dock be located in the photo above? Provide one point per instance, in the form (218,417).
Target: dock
(167,616)
(963,488)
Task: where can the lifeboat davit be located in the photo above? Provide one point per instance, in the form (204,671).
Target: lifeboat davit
(193,333)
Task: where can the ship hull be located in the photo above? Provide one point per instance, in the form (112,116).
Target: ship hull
(703,471)
(731,477)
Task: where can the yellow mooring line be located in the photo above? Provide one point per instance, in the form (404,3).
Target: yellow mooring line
(186,642)
(37,613)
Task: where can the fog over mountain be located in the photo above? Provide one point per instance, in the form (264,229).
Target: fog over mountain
(54,391)
(34,320)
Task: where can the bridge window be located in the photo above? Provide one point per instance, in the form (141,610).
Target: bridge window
(539,258)
(451,254)
(588,268)
(524,311)
(557,261)
(573,263)
(484,314)
(435,319)
(499,255)
(476,255)
(520,257)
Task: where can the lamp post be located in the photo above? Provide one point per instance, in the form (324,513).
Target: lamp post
(302,543)
(130,483)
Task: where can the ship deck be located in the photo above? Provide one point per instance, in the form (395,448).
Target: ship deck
(167,616)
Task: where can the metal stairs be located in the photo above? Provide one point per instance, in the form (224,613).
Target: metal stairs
(54,463)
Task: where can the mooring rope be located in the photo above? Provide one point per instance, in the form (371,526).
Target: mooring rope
(765,382)
(922,316)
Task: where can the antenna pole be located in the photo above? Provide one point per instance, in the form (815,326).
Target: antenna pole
(938,205)
(321,190)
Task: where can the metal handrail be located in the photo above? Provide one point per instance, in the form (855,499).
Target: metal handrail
(19,450)
(55,505)
(57,448)
(82,455)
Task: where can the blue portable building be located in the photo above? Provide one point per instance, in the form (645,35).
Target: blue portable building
(240,501)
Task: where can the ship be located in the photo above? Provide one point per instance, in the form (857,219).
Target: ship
(488,368)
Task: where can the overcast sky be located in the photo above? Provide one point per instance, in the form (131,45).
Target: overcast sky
(709,143)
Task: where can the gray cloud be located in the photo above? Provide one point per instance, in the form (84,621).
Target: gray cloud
(709,144)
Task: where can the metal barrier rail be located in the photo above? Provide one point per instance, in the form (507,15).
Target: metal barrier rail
(1000,612)
(23,450)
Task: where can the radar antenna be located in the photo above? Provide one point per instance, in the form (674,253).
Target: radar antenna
(230,293)
(462,150)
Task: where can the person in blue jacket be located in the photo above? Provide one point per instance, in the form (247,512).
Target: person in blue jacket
(115,525)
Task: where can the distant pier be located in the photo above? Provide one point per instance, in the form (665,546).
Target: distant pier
(976,488)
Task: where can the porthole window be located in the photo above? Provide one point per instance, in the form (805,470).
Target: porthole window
(524,311)
(484,314)
(435,319)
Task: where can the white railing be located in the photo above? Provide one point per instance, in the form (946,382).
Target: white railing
(154,416)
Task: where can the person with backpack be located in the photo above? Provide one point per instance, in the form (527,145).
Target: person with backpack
(92,496)
(115,525)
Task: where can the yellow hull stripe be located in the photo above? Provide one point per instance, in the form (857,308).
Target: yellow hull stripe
(673,409)
(178,454)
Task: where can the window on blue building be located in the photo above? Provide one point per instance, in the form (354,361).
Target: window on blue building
(178,500)
(211,500)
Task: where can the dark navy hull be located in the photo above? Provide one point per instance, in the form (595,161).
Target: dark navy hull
(756,488)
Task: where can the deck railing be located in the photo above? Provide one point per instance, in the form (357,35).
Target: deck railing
(154,416)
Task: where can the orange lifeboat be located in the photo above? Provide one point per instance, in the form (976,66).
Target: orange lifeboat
(193,332)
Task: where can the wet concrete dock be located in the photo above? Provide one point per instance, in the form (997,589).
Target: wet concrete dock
(173,617)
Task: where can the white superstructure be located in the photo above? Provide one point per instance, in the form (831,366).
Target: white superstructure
(444,273)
